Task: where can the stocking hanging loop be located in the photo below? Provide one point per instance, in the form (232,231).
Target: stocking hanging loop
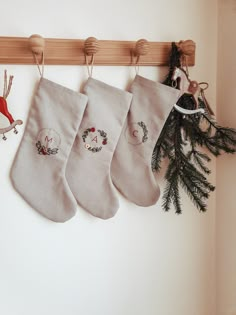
(91,47)
(37,45)
(141,49)
(89,65)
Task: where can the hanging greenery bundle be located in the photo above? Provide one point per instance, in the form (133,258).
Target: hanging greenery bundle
(182,138)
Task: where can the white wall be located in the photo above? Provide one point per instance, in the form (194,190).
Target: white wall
(226,166)
(143,261)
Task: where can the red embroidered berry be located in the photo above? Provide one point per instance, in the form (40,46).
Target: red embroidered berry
(44,151)
(92,129)
(104,142)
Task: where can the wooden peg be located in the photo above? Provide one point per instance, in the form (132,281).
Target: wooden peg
(91,46)
(187,47)
(36,44)
(141,48)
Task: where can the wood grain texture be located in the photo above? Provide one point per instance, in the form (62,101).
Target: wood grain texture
(16,50)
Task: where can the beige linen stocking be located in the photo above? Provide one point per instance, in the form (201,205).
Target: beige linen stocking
(131,165)
(38,171)
(88,168)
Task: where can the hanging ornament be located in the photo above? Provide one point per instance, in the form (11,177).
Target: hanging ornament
(4,108)
(184,135)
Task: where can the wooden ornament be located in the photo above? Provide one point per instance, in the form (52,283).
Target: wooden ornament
(36,44)
(141,47)
(91,46)
(4,107)
(187,47)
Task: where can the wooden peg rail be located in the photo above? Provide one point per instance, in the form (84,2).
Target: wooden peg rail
(15,50)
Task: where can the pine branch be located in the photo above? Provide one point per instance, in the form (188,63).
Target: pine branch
(187,169)
(203,138)
(193,182)
(189,188)
(198,180)
(167,196)
(180,170)
(164,144)
(203,156)
(196,185)
(157,158)
(225,137)
(176,197)
(197,157)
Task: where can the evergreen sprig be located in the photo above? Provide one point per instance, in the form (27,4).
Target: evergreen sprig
(180,142)
(184,167)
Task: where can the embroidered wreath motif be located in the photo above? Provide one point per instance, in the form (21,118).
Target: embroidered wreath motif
(94,149)
(45,151)
(48,141)
(145,131)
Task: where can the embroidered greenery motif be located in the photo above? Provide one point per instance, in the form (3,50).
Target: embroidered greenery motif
(86,132)
(45,151)
(103,135)
(145,131)
(95,149)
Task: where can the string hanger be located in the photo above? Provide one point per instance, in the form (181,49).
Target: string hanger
(37,45)
(141,49)
(91,47)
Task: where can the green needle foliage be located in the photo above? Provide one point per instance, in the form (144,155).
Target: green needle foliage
(180,143)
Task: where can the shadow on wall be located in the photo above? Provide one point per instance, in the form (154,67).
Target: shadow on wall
(234,5)
(230,3)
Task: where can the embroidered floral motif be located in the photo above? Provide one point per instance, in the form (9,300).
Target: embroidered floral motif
(48,142)
(94,138)
(45,151)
